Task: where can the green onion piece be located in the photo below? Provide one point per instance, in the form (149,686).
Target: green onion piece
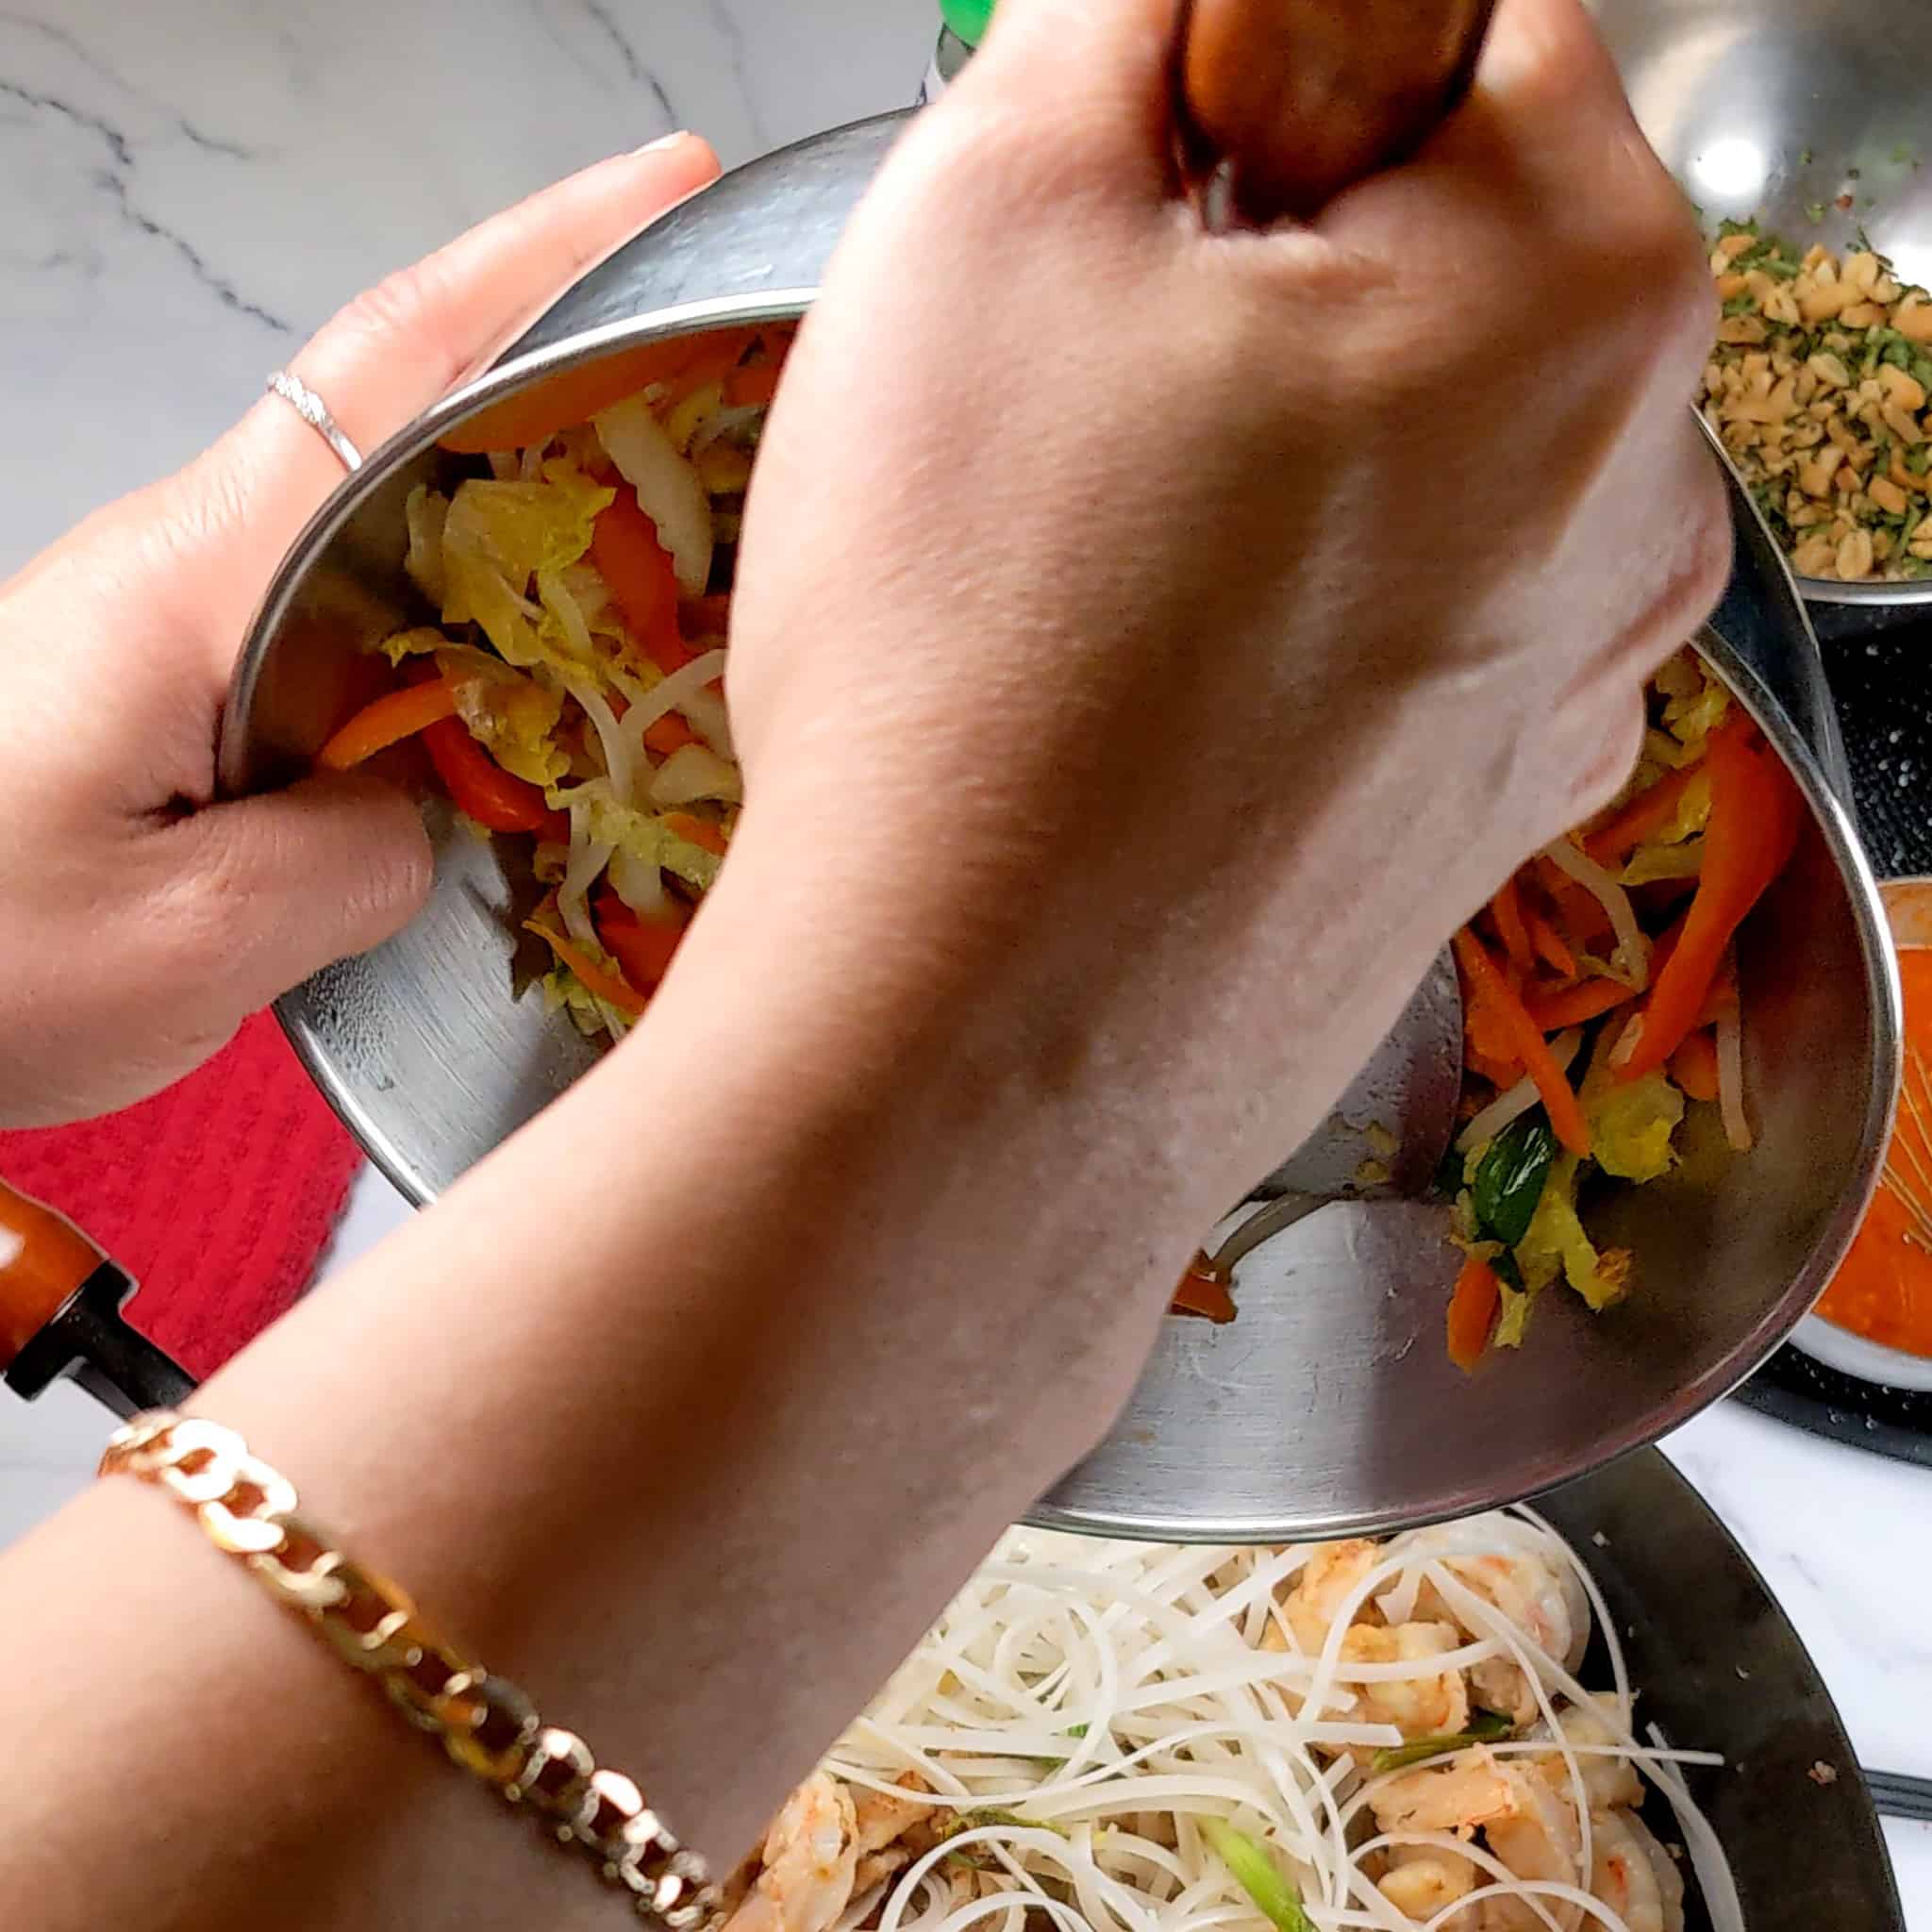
(1259,1875)
(1814,212)
(1485,1727)
(969,1857)
(1509,1179)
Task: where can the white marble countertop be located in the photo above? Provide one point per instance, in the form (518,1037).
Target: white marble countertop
(192,185)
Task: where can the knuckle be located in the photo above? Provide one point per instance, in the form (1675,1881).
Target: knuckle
(392,309)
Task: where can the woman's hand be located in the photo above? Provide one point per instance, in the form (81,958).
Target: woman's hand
(1207,623)
(142,921)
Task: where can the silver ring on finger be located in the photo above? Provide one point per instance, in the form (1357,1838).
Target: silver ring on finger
(315,412)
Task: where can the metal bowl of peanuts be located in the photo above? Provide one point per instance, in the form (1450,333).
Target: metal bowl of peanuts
(1799,128)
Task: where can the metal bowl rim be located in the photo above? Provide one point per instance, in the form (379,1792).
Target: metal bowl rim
(1879,596)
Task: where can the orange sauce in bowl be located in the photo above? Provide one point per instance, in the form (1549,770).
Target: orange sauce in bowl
(1884,1291)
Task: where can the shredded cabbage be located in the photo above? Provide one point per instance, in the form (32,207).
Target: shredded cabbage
(497,538)
(1631,1122)
(1650,863)
(694,772)
(420,642)
(425,510)
(648,840)
(1556,1243)
(1697,702)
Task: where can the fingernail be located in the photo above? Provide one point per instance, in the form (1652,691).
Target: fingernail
(663,141)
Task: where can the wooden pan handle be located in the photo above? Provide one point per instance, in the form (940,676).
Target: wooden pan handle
(43,1260)
(1303,98)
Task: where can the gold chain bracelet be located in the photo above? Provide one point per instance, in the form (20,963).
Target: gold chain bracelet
(487,1725)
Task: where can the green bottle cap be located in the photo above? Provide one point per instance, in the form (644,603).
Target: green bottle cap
(967,18)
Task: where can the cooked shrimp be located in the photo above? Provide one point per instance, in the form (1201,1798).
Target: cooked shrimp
(1332,1574)
(1468,1789)
(879,1817)
(1539,1838)
(1634,1875)
(890,1830)
(1418,1707)
(1531,1830)
(1539,1597)
(1422,1880)
(810,1861)
(1608,1782)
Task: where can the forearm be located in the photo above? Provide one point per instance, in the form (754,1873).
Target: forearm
(589,1412)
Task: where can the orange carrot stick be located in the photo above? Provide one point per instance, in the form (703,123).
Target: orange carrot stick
(1488,984)
(696,831)
(1472,1312)
(1578,1004)
(1506,910)
(1693,1066)
(393,716)
(1550,945)
(606,986)
(1754,811)
(668,734)
(1501,1075)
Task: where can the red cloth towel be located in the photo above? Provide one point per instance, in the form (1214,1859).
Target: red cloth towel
(219,1197)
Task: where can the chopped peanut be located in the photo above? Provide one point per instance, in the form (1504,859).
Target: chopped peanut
(1855,556)
(1819,390)
(1906,390)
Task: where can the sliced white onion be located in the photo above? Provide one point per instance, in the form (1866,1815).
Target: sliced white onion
(1730,1081)
(1633,949)
(1519,1100)
(669,492)
(693,771)
(667,695)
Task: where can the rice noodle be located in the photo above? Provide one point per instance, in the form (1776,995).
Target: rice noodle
(1632,959)
(1119,1693)
(1730,1081)
(1519,1098)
